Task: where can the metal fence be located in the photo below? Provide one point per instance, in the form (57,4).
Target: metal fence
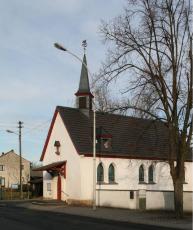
(13,194)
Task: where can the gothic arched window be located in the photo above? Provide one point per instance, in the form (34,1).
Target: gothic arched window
(141,173)
(111,173)
(150,174)
(100,173)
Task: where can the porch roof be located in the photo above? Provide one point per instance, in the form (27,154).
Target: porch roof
(51,167)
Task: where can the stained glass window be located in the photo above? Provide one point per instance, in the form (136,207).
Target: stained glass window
(100,173)
(141,173)
(111,173)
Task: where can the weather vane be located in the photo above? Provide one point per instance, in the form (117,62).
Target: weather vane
(84,45)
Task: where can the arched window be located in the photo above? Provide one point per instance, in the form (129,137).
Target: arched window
(150,174)
(111,173)
(141,173)
(100,173)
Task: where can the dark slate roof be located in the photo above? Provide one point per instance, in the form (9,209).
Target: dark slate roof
(131,137)
(84,81)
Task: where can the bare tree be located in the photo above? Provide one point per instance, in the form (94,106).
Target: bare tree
(105,101)
(151,42)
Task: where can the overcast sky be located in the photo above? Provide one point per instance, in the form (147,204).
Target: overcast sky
(35,77)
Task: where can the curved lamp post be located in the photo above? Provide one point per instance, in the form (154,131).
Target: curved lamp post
(60,47)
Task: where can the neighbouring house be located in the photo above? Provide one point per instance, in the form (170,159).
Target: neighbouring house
(131,161)
(10,170)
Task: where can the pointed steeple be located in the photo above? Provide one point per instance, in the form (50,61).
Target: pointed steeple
(83,95)
(84,81)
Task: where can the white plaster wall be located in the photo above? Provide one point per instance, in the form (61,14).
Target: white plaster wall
(64,196)
(159,200)
(86,171)
(47,179)
(71,188)
(54,185)
(165,200)
(126,177)
(116,198)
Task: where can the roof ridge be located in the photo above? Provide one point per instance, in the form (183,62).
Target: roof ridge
(125,116)
(112,114)
(66,107)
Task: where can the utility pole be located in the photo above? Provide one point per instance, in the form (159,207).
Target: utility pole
(191,82)
(191,65)
(20,159)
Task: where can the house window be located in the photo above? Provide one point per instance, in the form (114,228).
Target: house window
(111,173)
(48,187)
(2,167)
(150,174)
(57,146)
(100,173)
(2,181)
(141,173)
(22,167)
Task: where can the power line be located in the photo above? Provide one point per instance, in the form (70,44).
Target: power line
(35,128)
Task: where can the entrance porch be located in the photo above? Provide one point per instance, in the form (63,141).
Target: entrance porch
(54,185)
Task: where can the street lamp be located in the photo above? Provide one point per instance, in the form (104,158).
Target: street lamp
(20,155)
(60,47)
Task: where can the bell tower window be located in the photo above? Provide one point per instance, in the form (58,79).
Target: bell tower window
(104,140)
(106,144)
(82,103)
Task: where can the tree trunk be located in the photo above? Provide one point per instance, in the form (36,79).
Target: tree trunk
(178,198)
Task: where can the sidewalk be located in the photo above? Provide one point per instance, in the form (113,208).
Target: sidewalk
(155,218)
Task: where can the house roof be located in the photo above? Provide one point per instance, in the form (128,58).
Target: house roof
(12,152)
(131,137)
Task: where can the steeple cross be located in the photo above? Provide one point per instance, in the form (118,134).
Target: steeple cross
(84,45)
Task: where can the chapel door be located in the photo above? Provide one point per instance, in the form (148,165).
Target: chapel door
(59,188)
(142,199)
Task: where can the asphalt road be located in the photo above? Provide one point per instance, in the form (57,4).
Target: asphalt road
(17,218)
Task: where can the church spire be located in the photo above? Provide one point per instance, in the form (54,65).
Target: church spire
(84,96)
(84,81)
